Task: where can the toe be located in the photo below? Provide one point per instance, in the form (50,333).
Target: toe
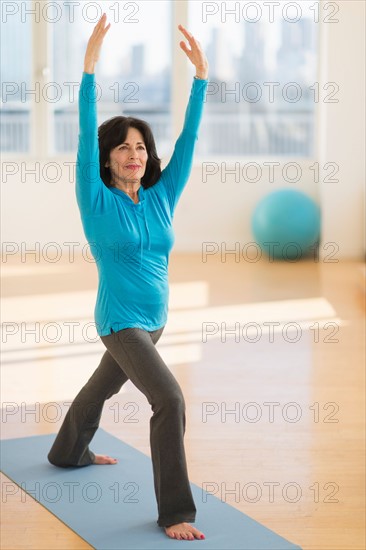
(198,534)
(170,534)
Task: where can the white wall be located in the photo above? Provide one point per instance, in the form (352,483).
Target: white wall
(342,130)
(35,210)
(220,211)
(45,212)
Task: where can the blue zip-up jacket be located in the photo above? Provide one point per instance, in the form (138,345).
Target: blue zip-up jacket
(131,242)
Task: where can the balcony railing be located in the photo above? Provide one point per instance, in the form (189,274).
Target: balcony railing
(229,134)
(15,131)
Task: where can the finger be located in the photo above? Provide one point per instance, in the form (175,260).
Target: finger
(187,34)
(193,42)
(184,47)
(102,31)
(188,51)
(98,26)
(101,22)
(107,28)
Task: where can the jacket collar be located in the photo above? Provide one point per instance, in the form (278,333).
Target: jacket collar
(127,198)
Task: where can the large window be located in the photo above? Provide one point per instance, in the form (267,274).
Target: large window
(133,71)
(39,105)
(263,88)
(16,63)
(263,73)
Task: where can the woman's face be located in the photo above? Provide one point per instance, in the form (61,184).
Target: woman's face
(127,161)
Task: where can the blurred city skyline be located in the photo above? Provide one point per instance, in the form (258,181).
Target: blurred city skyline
(238,53)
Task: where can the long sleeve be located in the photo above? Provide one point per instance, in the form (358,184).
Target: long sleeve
(176,174)
(92,194)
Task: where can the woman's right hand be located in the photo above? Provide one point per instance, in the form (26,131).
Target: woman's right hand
(95,44)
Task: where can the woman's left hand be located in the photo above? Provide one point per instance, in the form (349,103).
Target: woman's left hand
(195,54)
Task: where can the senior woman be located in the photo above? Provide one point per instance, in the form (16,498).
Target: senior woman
(127,205)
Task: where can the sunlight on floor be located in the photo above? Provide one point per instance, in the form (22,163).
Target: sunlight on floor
(24,270)
(51,348)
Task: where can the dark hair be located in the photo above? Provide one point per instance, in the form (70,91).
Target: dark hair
(113,132)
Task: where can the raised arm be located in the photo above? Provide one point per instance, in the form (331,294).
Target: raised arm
(90,188)
(175,176)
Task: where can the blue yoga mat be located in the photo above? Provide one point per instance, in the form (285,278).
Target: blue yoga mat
(114,507)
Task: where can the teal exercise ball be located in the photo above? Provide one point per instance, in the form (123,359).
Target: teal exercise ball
(286,224)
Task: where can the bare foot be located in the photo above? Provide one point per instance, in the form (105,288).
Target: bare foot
(183,531)
(104,459)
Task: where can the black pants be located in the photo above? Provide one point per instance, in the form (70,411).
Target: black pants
(131,354)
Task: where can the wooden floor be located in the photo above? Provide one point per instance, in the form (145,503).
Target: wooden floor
(312,366)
